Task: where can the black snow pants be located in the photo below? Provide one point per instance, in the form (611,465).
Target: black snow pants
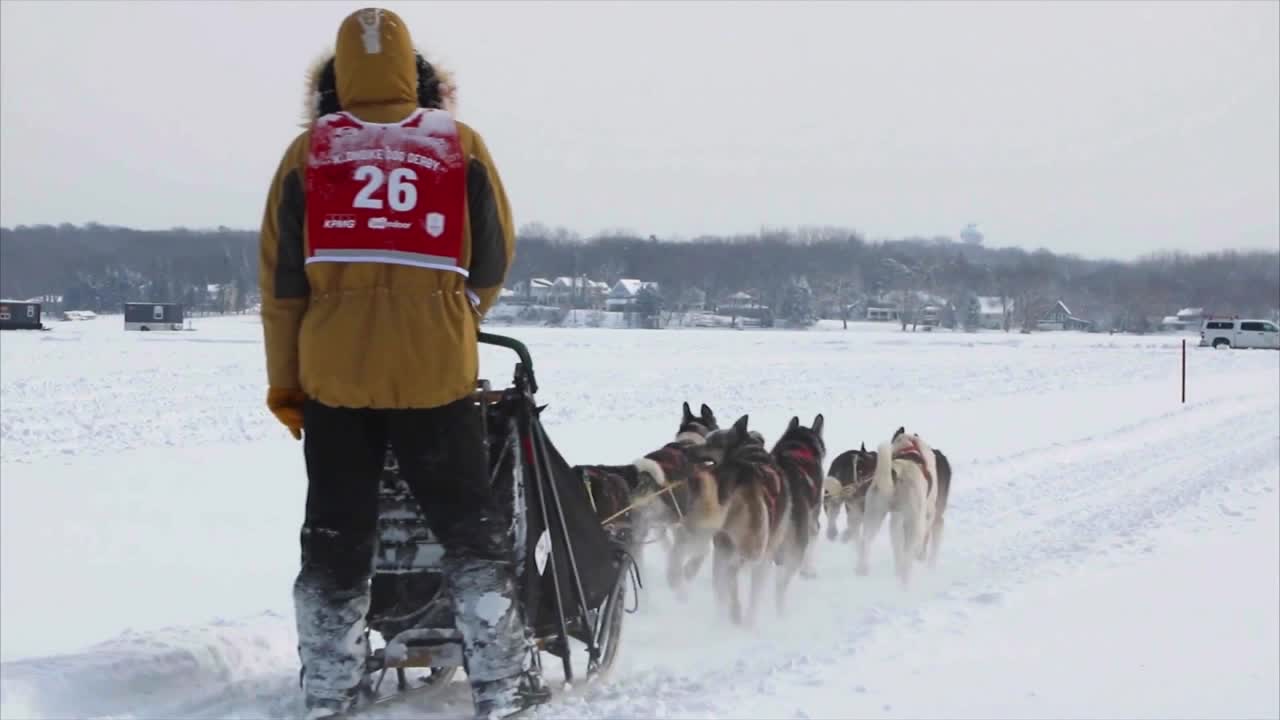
(440,452)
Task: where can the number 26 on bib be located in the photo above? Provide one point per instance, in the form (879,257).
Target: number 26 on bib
(387,193)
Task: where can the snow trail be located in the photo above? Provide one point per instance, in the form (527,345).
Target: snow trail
(1096,528)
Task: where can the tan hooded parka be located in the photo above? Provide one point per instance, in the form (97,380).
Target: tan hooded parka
(373,335)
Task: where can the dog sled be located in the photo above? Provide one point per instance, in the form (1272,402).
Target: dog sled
(572,573)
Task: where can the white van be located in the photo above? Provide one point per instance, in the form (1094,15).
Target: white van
(1238,333)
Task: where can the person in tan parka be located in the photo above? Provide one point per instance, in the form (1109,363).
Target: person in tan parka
(387,235)
(373,335)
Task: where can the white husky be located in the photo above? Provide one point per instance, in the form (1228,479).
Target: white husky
(905,484)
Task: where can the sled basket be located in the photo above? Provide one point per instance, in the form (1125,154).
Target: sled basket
(571,571)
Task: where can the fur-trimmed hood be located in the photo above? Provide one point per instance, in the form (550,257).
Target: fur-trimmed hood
(375,65)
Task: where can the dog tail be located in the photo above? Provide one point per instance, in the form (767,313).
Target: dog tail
(882,480)
(944,479)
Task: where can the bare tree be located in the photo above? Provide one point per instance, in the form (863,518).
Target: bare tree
(901,281)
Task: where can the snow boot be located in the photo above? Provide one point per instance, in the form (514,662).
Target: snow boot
(495,645)
(330,614)
(497,699)
(319,709)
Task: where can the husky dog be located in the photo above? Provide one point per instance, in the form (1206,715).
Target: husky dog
(722,437)
(800,453)
(695,428)
(933,538)
(846,488)
(667,467)
(904,484)
(613,489)
(610,488)
(747,515)
(692,531)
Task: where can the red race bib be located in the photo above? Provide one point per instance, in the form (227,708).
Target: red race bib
(392,193)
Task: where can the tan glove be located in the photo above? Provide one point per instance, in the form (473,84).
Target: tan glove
(286,405)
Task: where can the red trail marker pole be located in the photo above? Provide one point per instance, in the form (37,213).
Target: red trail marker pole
(1184,371)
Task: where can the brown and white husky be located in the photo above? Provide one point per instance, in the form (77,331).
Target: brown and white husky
(694,532)
(905,486)
(800,453)
(632,493)
(766,508)
(746,518)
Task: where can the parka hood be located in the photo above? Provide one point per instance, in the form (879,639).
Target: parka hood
(375,72)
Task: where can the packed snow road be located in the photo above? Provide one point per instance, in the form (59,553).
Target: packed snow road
(1109,551)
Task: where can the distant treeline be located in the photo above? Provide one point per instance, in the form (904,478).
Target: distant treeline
(97,267)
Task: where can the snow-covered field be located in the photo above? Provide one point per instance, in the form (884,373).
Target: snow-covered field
(1110,552)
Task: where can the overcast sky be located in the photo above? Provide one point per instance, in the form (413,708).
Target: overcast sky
(1099,128)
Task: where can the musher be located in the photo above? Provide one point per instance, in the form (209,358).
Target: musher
(387,236)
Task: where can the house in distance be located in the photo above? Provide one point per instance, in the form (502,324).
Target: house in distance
(153,316)
(20,315)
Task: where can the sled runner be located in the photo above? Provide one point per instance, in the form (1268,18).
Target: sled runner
(572,573)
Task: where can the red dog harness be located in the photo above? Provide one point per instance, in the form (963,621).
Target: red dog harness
(913,453)
(803,457)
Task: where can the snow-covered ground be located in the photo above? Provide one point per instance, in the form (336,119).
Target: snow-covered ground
(1110,552)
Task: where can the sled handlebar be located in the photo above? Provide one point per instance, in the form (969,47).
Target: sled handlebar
(514,345)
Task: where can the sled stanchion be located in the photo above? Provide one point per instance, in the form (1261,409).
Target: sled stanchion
(551,554)
(1184,371)
(593,651)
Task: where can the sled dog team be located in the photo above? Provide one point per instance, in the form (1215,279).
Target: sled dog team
(756,509)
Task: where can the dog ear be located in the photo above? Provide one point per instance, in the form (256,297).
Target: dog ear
(688,414)
(795,423)
(740,428)
(817,424)
(900,431)
(708,417)
(864,448)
